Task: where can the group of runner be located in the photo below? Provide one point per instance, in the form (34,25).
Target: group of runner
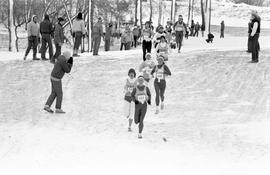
(137,89)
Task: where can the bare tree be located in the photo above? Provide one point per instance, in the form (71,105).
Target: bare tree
(159,11)
(189,9)
(151,10)
(202,13)
(136,12)
(11,27)
(141,22)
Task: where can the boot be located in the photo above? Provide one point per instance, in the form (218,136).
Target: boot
(59,111)
(139,136)
(48,109)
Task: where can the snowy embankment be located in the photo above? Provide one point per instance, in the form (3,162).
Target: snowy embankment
(216,117)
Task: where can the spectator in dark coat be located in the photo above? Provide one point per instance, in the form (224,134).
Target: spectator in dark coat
(46,31)
(63,65)
(108,36)
(222,28)
(58,38)
(192,26)
(255,34)
(136,35)
(197,29)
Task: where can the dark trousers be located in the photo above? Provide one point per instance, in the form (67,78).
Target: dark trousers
(46,39)
(127,46)
(196,33)
(179,39)
(32,42)
(146,46)
(78,40)
(135,40)
(57,52)
(56,93)
(222,34)
(255,47)
(160,90)
(107,44)
(140,111)
(249,43)
(122,45)
(96,41)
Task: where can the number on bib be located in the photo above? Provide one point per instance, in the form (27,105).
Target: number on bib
(141,98)
(160,75)
(130,89)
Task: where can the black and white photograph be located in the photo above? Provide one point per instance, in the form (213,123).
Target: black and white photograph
(134,87)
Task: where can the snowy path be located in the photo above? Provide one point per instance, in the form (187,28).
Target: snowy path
(216,118)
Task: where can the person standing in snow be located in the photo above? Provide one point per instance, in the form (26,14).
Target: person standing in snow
(129,105)
(222,28)
(78,31)
(147,35)
(46,31)
(197,28)
(161,71)
(192,26)
(33,36)
(58,38)
(255,34)
(136,35)
(63,65)
(180,30)
(146,67)
(97,34)
(141,96)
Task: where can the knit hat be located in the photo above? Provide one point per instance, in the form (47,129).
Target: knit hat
(80,15)
(160,57)
(148,54)
(67,54)
(61,19)
(131,70)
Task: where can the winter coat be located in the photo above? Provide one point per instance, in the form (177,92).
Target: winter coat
(108,33)
(59,34)
(61,67)
(46,27)
(78,26)
(136,32)
(33,28)
(97,29)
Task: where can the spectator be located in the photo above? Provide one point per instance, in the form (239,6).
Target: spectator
(97,34)
(78,31)
(33,35)
(46,31)
(222,28)
(197,29)
(136,35)
(58,38)
(108,36)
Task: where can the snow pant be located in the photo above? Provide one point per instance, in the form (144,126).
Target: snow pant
(255,47)
(140,111)
(56,93)
(97,40)
(129,108)
(179,39)
(146,46)
(107,44)
(46,39)
(135,40)
(160,87)
(57,52)
(221,33)
(32,42)
(196,33)
(78,40)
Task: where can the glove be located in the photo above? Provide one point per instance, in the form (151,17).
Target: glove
(136,102)
(70,60)
(149,102)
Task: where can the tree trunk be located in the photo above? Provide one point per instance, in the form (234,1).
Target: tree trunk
(136,12)
(141,13)
(202,13)
(192,9)
(151,10)
(69,19)
(159,11)
(12,44)
(209,18)
(189,9)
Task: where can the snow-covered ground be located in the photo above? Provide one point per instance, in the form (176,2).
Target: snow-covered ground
(216,117)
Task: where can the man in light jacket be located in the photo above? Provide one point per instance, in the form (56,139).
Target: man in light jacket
(33,35)
(97,34)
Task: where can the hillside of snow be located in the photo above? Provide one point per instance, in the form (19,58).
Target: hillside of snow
(233,14)
(216,117)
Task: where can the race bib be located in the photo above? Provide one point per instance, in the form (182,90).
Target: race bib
(141,98)
(179,28)
(130,89)
(160,75)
